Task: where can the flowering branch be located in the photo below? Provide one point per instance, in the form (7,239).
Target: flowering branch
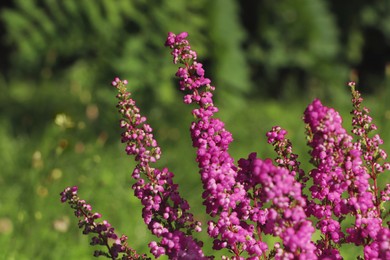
(224,197)
(165,212)
(104,234)
(253,197)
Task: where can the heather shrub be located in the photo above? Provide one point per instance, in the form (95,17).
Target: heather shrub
(247,199)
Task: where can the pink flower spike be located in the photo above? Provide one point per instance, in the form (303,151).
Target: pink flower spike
(181,36)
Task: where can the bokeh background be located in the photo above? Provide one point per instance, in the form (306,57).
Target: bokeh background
(59,125)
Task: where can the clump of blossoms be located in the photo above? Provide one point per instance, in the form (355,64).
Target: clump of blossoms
(254,198)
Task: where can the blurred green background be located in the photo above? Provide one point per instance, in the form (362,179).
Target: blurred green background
(59,125)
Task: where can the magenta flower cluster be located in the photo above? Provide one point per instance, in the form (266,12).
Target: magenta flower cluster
(340,198)
(103,233)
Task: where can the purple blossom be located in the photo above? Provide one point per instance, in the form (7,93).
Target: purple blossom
(286,158)
(343,167)
(254,197)
(286,217)
(165,212)
(102,231)
(224,197)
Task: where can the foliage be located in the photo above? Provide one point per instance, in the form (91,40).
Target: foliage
(289,44)
(297,45)
(53,37)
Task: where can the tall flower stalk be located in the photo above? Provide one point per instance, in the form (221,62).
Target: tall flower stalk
(164,211)
(225,198)
(103,233)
